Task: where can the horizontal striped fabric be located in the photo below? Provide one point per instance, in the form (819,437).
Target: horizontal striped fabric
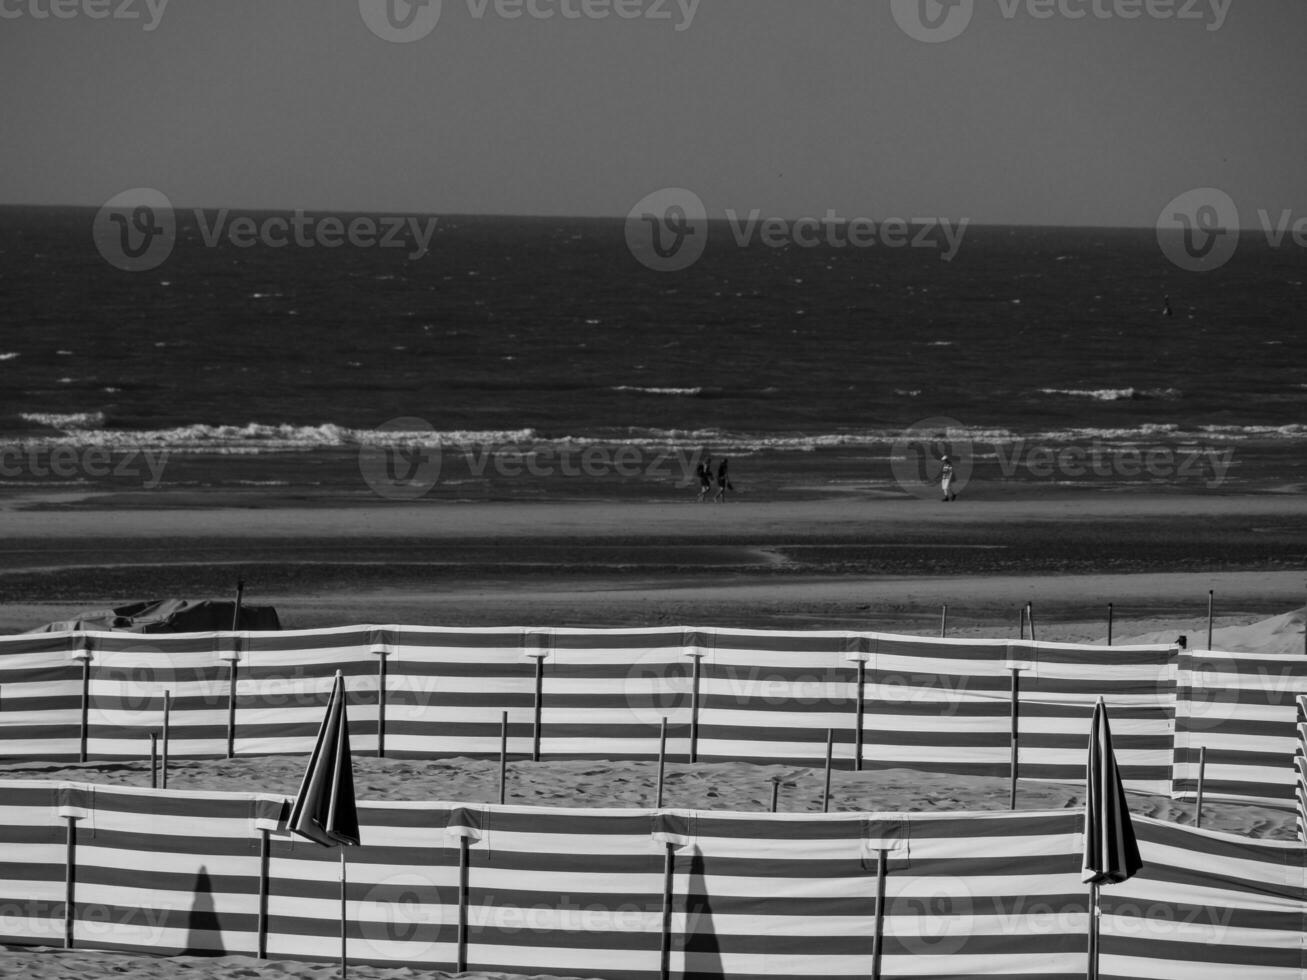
(1243,708)
(1300,768)
(579,892)
(931,704)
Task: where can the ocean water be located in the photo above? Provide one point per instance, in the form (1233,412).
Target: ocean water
(547,335)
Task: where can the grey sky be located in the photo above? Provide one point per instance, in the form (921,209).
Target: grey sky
(789,106)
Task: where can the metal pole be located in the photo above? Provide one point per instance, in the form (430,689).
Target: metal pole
(70,881)
(463,862)
(154,760)
(539,706)
(503,758)
(830,749)
(694,708)
(381,705)
(878,932)
(665,946)
(1109,624)
(1211,602)
(265,861)
(1016,737)
(1202,776)
(1091,968)
(943,621)
(344,939)
(662,761)
(861,714)
(167,719)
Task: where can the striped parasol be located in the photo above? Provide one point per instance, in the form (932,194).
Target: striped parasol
(1111,853)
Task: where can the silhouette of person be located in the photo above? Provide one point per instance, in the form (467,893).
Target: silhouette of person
(723,483)
(946,479)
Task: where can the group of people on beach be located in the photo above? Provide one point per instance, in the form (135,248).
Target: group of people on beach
(705,474)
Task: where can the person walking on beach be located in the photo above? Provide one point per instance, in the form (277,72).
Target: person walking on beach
(946,479)
(704,472)
(723,483)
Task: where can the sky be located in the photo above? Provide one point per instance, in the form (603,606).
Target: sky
(1030,114)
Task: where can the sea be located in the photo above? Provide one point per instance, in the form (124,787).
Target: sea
(1041,357)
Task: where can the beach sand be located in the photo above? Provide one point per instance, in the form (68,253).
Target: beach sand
(834,563)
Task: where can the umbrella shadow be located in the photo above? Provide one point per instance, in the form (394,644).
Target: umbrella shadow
(204,935)
(703,954)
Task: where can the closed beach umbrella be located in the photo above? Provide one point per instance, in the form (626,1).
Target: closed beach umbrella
(324,809)
(1111,853)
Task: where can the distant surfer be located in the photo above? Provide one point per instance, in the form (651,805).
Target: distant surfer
(946,479)
(1166,306)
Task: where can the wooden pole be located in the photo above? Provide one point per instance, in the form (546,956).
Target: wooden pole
(381,704)
(344,937)
(1015,763)
(539,708)
(830,751)
(860,716)
(463,863)
(265,879)
(662,761)
(665,945)
(503,758)
(1202,776)
(878,932)
(943,621)
(1021,624)
(1211,603)
(86,705)
(694,707)
(775,792)
(70,881)
(236,612)
(154,760)
(167,722)
(231,700)
(1109,624)
(1030,615)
